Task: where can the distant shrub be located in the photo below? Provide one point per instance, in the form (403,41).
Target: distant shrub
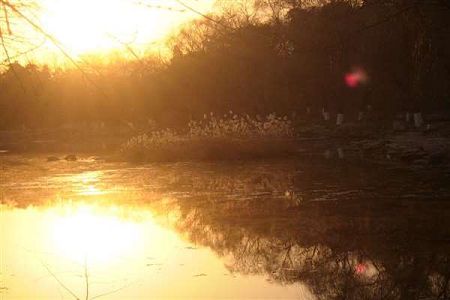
(230,137)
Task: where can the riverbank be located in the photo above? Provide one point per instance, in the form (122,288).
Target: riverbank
(404,147)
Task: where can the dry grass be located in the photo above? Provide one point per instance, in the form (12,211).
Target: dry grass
(226,138)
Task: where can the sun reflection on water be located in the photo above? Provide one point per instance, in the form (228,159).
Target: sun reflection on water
(87,183)
(97,238)
(87,232)
(94,229)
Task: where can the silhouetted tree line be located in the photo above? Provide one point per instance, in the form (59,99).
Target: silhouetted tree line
(257,57)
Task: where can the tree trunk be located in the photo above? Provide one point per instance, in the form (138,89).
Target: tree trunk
(418,120)
(339,119)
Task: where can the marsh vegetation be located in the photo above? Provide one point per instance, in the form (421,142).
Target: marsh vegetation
(217,138)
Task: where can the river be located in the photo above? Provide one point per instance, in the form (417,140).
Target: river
(290,229)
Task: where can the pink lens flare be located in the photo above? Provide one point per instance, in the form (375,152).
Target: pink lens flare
(360,268)
(355,78)
(351,80)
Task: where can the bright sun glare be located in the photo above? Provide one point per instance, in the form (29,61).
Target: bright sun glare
(95,26)
(83,230)
(86,232)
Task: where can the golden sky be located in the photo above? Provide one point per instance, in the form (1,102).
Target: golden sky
(96,27)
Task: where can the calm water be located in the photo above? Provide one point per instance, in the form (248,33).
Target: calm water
(316,229)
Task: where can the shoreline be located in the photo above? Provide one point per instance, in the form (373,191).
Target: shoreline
(354,143)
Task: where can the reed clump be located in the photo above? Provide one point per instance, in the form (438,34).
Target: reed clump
(228,137)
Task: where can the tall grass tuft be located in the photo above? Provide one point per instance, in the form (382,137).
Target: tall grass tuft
(229,137)
(236,126)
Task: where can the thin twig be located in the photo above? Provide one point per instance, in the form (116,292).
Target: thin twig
(8,25)
(18,54)
(202,14)
(161,7)
(54,41)
(109,293)
(60,282)
(86,277)
(8,57)
(42,31)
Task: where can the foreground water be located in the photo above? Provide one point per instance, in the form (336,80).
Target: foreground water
(281,229)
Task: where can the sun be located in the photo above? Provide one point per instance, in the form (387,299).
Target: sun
(96,26)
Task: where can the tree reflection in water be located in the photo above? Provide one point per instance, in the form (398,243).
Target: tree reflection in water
(364,235)
(348,231)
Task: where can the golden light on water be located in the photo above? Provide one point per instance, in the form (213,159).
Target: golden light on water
(90,231)
(87,184)
(94,242)
(121,251)
(85,233)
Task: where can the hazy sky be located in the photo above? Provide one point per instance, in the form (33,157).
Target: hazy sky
(99,26)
